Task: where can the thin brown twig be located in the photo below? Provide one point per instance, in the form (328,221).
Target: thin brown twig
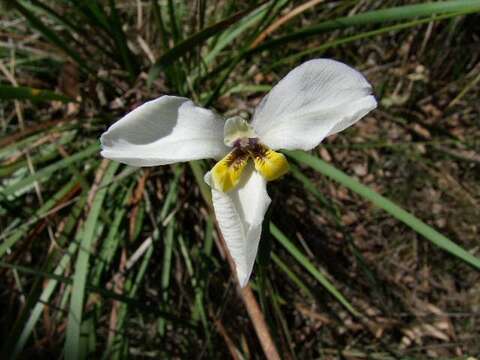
(259,323)
(228,340)
(274,26)
(118,288)
(10,139)
(253,309)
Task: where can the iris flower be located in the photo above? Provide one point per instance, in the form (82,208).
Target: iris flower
(318,98)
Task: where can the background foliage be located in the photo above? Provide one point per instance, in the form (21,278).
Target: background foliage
(100,260)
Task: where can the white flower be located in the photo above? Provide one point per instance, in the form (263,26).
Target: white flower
(318,98)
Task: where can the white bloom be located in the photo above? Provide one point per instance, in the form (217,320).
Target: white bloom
(318,98)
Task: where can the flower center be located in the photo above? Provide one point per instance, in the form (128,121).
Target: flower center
(227,172)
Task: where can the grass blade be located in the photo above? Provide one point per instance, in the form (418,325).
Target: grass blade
(197,39)
(8,92)
(75,315)
(43,299)
(416,224)
(166,271)
(9,240)
(378,16)
(227,37)
(50,35)
(108,294)
(303,260)
(365,35)
(173,21)
(128,58)
(293,277)
(46,171)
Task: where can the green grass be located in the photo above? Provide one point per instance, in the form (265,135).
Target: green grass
(100,260)
(394,210)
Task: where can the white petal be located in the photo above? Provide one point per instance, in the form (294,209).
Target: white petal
(236,128)
(163,131)
(240,214)
(316,99)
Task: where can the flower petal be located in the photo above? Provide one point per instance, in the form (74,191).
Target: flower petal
(316,99)
(235,129)
(163,131)
(271,164)
(240,214)
(226,174)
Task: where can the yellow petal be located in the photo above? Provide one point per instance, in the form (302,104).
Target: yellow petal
(270,164)
(227,172)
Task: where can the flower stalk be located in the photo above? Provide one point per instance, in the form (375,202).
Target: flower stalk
(246,293)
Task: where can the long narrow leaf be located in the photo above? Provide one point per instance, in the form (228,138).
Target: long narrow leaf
(365,35)
(128,58)
(75,314)
(8,92)
(307,264)
(51,35)
(108,294)
(46,171)
(416,224)
(197,39)
(378,16)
